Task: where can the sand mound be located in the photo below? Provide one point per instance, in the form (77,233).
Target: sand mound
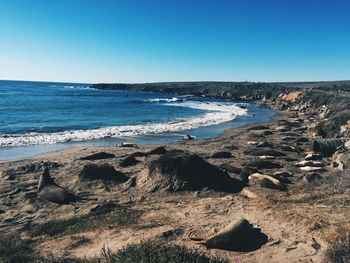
(176,171)
(101,172)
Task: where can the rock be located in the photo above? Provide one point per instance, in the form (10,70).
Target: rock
(269,152)
(176,171)
(309,163)
(312,177)
(101,172)
(128,161)
(158,150)
(264,164)
(221,155)
(98,156)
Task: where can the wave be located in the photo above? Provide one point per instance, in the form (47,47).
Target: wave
(173,99)
(86,87)
(216,113)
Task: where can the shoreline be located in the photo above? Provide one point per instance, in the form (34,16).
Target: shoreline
(212,131)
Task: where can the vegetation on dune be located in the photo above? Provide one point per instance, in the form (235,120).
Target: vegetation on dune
(118,217)
(16,250)
(156,252)
(338,250)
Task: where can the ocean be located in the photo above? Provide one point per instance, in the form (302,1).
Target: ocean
(37,117)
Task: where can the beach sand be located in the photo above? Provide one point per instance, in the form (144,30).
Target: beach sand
(296,222)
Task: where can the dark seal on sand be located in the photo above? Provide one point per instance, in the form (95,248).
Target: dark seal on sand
(238,236)
(50,191)
(98,156)
(157,150)
(219,155)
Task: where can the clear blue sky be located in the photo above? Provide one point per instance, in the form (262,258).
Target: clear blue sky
(174,40)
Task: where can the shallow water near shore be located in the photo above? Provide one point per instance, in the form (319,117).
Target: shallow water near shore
(44,117)
(255,115)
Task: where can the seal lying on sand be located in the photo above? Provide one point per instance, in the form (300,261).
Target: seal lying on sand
(50,191)
(237,236)
(267,181)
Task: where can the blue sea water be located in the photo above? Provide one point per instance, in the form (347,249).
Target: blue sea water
(37,117)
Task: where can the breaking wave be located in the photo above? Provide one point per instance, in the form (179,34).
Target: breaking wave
(216,113)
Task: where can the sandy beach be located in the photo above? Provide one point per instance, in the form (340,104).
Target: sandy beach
(294,209)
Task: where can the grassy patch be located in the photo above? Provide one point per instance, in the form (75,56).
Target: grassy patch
(333,189)
(118,217)
(338,250)
(156,252)
(14,249)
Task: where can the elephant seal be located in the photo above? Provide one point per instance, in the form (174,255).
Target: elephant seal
(267,181)
(50,191)
(236,236)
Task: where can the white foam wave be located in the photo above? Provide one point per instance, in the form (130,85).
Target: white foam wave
(173,99)
(217,113)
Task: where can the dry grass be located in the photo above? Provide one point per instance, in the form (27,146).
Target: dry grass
(338,250)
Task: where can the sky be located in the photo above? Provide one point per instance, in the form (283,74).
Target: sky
(131,41)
